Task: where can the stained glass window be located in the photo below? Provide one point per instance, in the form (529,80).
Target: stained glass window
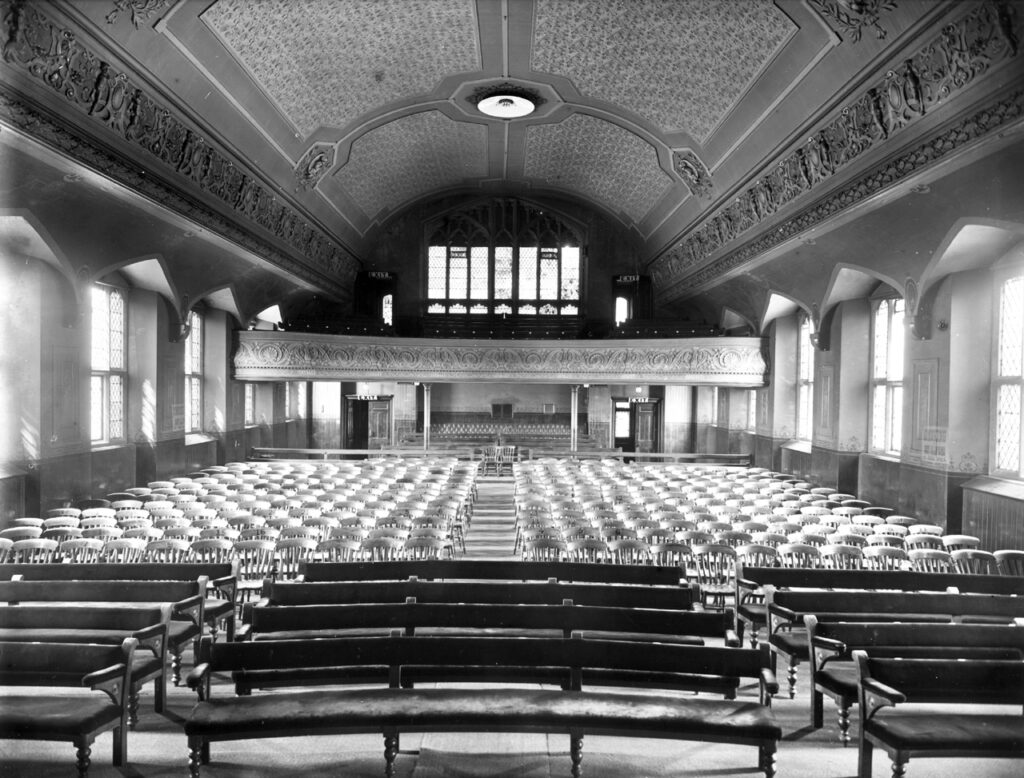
(502,273)
(548,310)
(491,253)
(194,374)
(250,404)
(805,381)
(1009,434)
(887,377)
(387,313)
(108,381)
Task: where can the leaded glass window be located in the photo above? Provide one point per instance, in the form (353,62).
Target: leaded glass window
(887,376)
(1009,434)
(387,309)
(109,369)
(194,373)
(505,251)
(804,381)
(250,404)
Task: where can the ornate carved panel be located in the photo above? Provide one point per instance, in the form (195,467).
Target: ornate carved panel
(287,356)
(961,53)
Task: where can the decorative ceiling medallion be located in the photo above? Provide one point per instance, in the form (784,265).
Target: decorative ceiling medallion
(693,172)
(506,106)
(852,17)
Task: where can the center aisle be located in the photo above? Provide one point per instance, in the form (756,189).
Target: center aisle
(492,531)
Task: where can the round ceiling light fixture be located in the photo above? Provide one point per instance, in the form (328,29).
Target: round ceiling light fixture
(506,106)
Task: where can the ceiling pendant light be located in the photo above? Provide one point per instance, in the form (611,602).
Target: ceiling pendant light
(506,106)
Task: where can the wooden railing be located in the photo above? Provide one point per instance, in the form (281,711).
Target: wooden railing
(524,453)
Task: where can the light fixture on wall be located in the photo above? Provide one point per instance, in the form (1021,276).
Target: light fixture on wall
(505,100)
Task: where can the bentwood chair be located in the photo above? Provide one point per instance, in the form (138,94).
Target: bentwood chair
(33,551)
(930,560)
(974,561)
(715,565)
(1010,561)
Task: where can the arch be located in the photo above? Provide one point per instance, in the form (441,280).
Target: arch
(23,235)
(852,282)
(151,272)
(971,243)
(225,298)
(778,305)
(731,319)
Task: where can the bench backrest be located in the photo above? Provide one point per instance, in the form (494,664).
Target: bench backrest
(100,591)
(826,604)
(550,593)
(98,617)
(494,570)
(902,580)
(109,571)
(573,654)
(64,664)
(411,616)
(910,640)
(975,681)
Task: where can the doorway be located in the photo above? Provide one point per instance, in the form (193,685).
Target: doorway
(635,420)
(368,421)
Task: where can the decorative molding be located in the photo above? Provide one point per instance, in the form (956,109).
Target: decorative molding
(852,17)
(694,172)
(287,356)
(41,50)
(960,54)
(505,88)
(314,164)
(140,10)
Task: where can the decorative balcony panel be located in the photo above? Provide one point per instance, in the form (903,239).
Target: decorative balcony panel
(297,356)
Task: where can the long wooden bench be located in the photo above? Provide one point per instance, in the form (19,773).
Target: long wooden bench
(834,674)
(492,570)
(217,610)
(575,710)
(919,732)
(515,593)
(106,670)
(788,607)
(105,624)
(683,627)
(187,599)
(751,611)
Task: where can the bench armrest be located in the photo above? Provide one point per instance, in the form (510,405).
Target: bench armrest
(826,649)
(769,685)
(198,680)
(228,585)
(153,638)
(191,607)
(732,639)
(110,680)
(243,632)
(878,695)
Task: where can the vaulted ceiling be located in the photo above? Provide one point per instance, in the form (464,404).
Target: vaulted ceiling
(747,145)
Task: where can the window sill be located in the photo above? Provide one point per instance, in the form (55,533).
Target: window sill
(882,456)
(994,485)
(198,438)
(100,447)
(803,446)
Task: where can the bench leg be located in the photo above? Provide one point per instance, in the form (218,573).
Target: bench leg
(160,693)
(120,756)
(899,769)
(576,754)
(176,668)
(198,754)
(817,709)
(766,760)
(390,752)
(82,760)
(844,725)
(790,676)
(133,708)
(866,751)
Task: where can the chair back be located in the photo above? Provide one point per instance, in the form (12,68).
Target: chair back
(169,551)
(124,550)
(930,560)
(81,551)
(33,551)
(974,561)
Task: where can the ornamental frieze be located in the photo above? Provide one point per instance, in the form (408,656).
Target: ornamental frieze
(962,52)
(293,356)
(55,57)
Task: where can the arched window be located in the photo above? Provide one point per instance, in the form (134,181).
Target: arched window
(109,364)
(1009,379)
(621,310)
(804,381)
(194,373)
(504,257)
(387,303)
(887,377)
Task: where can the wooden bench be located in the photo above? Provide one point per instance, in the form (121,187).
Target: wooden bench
(750,582)
(957,732)
(491,570)
(187,600)
(106,670)
(787,608)
(394,709)
(222,577)
(108,625)
(681,627)
(833,672)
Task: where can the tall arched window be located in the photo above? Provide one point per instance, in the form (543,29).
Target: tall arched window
(1008,382)
(109,364)
(504,257)
(887,377)
(804,381)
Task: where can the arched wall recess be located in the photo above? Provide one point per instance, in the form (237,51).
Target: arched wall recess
(848,282)
(779,305)
(730,319)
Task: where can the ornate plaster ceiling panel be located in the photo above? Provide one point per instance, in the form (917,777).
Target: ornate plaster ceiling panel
(325,63)
(598,159)
(679,64)
(412,156)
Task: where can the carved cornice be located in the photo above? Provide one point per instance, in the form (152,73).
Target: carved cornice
(693,172)
(313,166)
(140,10)
(953,60)
(289,356)
(52,56)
